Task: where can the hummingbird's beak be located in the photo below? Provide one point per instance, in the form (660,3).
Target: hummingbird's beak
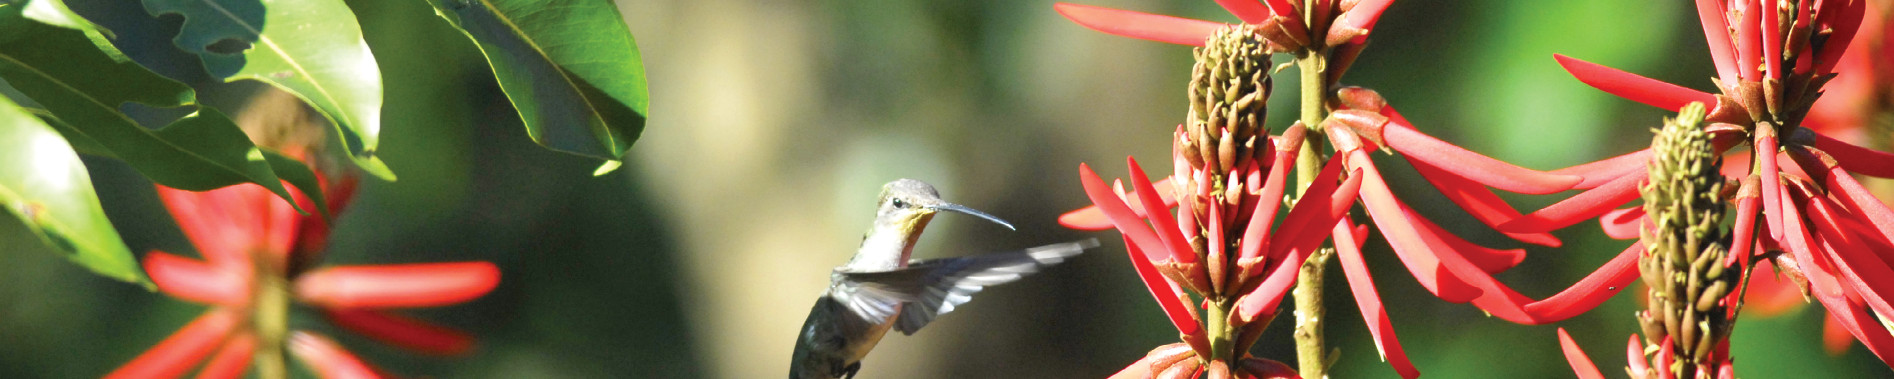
(951,207)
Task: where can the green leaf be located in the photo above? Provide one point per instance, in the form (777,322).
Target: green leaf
(55,12)
(570,67)
(43,183)
(300,176)
(310,48)
(81,79)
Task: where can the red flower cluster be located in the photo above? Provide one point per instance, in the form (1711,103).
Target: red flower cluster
(1773,61)
(259,250)
(1169,260)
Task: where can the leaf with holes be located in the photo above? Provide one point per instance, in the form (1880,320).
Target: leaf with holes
(311,48)
(79,78)
(43,183)
(570,67)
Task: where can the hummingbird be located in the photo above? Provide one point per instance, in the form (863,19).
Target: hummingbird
(881,289)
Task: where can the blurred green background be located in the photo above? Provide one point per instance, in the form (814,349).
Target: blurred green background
(773,125)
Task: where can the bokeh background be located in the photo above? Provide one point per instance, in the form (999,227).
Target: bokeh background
(773,125)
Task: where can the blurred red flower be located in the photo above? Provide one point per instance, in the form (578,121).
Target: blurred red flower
(258,250)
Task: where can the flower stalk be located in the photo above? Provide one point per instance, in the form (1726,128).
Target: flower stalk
(1311,354)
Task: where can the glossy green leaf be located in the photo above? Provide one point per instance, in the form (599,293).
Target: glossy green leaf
(570,67)
(43,183)
(310,48)
(82,80)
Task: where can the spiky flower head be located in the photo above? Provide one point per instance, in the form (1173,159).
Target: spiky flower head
(1686,263)
(1229,96)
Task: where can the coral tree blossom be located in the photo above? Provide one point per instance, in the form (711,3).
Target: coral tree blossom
(1229,180)
(259,254)
(1796,200)
(1687,267)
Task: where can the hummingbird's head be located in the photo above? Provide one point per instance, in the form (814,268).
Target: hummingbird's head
(908,205)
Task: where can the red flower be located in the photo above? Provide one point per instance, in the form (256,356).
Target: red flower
(1340,25)
(1772,60)
(258,250)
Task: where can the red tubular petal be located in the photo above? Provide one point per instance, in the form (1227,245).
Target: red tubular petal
(1364,15)
(1631,86)
(182,350)
(1857,200)
(1845,27)
(1804,58)
(1862,325)
(1488,259)
(1585,205)
(1665,354)
(1772,39)
(1800,245)
(1503,302)
(1256,235)
(1146,26)
(1091,218)
(1250,11)
(1298,224)
(1268,294)
(1478,201)
(1866,272)
(1340,200)
(1771,182)
(403,332)
(1581,364)
(1165,226)
(327,358)
(1291,18)
(196,281)
(1131,225)
(1402,137)
(1623,223)
(1415,254)
(1162,290)
(1857,159)
(397,286)
(1634,358)
(1361,284)
(1835,337)
(1282,8)
(1710,13)
(230,361)
(1743,241)
(224,224)
(1600,172)
(1588,293)
(1748,40)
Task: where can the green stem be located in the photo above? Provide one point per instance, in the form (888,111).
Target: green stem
(1222,336)
(271,322)
(1311,355)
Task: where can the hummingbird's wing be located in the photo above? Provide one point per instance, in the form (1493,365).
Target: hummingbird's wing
(875,295)
(950,282)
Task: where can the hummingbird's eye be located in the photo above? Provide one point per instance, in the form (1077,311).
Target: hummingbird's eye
(898,203)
